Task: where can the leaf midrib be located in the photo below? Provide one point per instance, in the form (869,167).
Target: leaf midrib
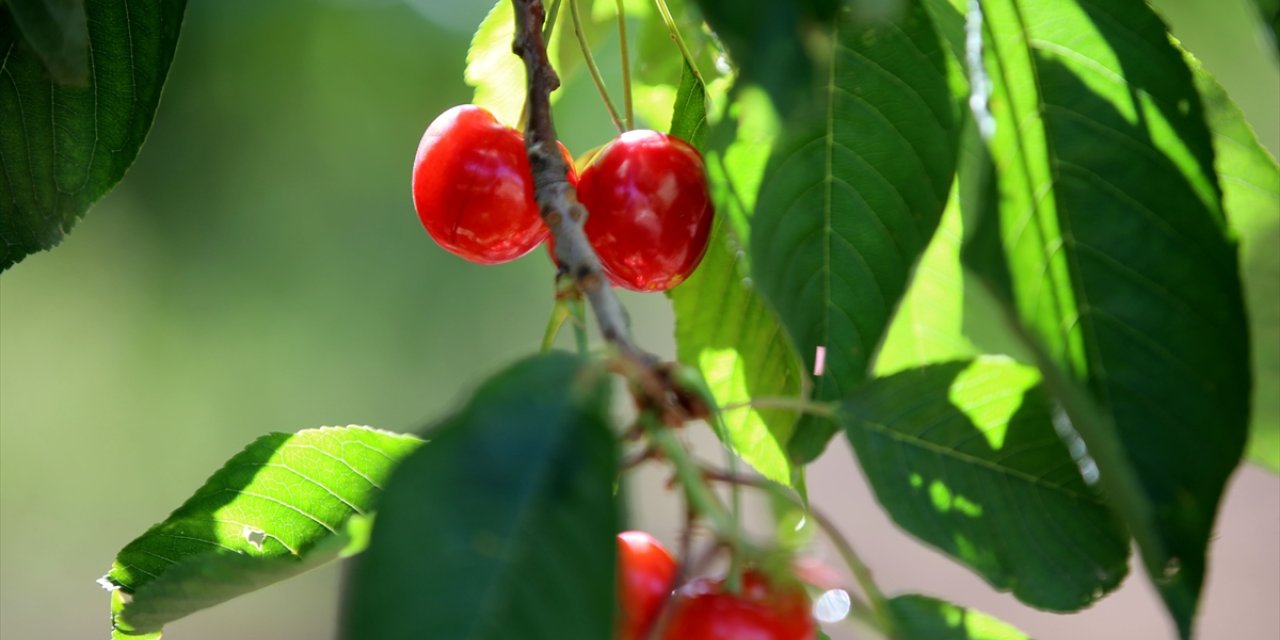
(944,452)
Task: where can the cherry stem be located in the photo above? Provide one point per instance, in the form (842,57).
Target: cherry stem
(879,608)
(550,26)
(559,314)
(675,35)
(735,493)
(799,405)
(626,65)
(701,498)
(578,313)
(591,66)
(568,308)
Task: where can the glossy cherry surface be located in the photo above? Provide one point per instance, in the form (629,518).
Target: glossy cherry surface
(649,210)
(705,611)
(645,575)
(472,187)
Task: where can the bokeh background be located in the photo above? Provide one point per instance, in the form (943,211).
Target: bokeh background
(261,269)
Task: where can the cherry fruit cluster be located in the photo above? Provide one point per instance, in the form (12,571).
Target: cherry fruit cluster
(649,210)
(704,608)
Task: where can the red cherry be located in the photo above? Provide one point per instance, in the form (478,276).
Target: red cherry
(472,187)
(649,210)
(645,575)
(762,611)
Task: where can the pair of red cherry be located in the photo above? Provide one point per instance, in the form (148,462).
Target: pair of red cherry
(703,609)
(646,194)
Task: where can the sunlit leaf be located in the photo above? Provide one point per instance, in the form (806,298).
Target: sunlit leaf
(920,617)
(689,115)
(504,525)
(723,326)
(853,195)
(496,73)
(62,146)
(965,456)
(1251,196)
(1108,241)
(929,324)
(276,509)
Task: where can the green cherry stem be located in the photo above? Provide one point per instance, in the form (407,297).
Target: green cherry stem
(591,66)
(569,308)
(550,26)
(626,66)
(700,495)
(675,35)
(559,313)
(578,315)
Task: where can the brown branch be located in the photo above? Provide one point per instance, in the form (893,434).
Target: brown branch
(564,215)
(557,199)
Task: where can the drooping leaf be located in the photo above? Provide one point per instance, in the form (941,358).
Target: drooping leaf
(723,326)
(62,146)
(965,456)
(276,509)
(504,526)
(921,617)
(1108,241)
(853,195)
(1251,196)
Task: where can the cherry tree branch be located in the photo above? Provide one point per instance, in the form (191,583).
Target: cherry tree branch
(557,199)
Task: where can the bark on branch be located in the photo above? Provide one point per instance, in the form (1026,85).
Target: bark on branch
(557,199)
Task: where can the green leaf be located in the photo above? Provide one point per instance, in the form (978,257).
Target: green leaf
(504,526)
(924,618)
(660,71)
(689,116)
(496,73)
(62,146)
(929,324)
(852,197)
(1251,195)
(766,40)
(57,30)
(276,509)
(965,456)
(1111,248)
(723,326)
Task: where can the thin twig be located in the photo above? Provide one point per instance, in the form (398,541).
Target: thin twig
(591,66)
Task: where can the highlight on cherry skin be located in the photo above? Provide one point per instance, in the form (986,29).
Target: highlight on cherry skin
(649,209)
(646,575)
(472,187)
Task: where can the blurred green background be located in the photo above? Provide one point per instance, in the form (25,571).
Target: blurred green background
(261,269)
